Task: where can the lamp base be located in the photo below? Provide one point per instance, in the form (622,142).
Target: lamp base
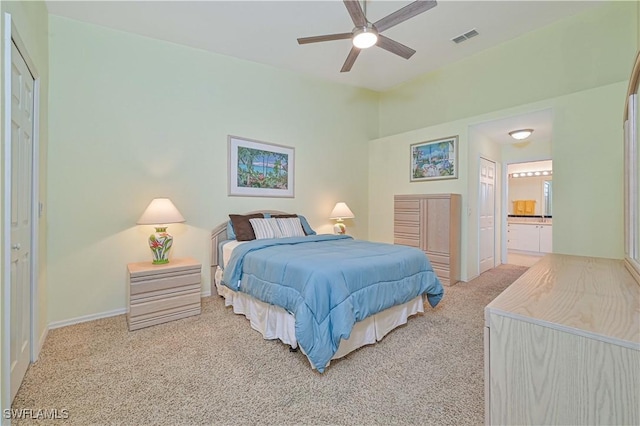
(160,243)
(339,228)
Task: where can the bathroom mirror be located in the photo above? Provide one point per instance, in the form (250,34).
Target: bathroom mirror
(632,176)
(546,198)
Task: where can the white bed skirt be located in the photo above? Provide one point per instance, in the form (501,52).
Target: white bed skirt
(273,322)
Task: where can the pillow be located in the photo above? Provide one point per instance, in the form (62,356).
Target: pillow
(242,227)
(305,225)
(265,228)
(290,227)
(230,233)
(303,221)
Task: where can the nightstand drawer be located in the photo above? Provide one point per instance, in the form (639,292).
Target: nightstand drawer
(165,303)
(166,316)
(149,285)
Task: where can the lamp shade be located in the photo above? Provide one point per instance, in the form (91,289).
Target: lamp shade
(341,211)
(160,211)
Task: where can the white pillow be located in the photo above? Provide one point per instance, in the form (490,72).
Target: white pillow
(265,228)
(290,227)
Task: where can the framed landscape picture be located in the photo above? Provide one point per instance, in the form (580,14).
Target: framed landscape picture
(260,169)
(436,159)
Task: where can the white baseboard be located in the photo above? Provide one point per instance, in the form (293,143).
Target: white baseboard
(43,337)
(85,318)
(91,317)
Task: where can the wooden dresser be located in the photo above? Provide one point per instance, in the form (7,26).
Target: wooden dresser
(562,345)
(161,293)
(431,222)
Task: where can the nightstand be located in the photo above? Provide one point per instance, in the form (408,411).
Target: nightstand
(162,293)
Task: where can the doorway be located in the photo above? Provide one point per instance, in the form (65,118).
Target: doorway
(529,212)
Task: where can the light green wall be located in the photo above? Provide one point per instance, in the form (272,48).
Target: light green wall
(134,118)
(587,159)
(578,67)
(30,20)
(588,173)
(588,50)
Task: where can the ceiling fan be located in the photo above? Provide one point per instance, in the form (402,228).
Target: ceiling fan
(365,34)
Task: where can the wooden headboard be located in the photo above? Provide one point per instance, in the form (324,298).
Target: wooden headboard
(219,234)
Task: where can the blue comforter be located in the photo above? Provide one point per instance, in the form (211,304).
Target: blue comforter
(329,282)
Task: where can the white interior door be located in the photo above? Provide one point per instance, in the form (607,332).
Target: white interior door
(22,118)
(487,214)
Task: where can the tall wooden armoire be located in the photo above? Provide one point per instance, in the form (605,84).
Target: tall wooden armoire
(431,222)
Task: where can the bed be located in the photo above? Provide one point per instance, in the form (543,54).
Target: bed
(325,294)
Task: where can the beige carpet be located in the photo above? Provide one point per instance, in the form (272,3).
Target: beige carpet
(214,369)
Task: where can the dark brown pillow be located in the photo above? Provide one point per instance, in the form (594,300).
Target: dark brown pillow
(242,227)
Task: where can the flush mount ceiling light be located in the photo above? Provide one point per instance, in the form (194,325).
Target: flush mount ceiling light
(365,37)
(521,134)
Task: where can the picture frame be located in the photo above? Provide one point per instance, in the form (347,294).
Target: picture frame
(434,160)
(260,169)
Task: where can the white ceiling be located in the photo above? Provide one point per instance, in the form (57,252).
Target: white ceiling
(266,31)
(498,130)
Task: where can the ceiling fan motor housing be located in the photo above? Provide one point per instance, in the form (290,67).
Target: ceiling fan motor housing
(365,36)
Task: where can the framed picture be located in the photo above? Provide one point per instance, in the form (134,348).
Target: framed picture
(436,159)
(259,169)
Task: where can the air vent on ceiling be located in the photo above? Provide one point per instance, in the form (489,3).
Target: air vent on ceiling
(465,36)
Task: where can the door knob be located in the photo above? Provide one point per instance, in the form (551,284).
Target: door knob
(16,246)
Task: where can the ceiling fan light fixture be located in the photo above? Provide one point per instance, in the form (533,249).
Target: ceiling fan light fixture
(365,37)
(521,134)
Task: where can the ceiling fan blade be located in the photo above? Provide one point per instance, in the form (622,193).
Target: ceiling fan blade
(356,13)
(394,47)
(401,15)
(328,37)
(351,58)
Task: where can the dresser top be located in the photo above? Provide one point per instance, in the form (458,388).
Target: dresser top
(588,296)
(148,268)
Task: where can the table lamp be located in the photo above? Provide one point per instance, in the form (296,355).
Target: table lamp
(159,213)
(339,212)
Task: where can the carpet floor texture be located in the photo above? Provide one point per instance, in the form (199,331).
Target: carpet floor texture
(213,369)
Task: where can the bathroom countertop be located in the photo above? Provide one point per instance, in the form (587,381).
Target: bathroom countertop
(531,221)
